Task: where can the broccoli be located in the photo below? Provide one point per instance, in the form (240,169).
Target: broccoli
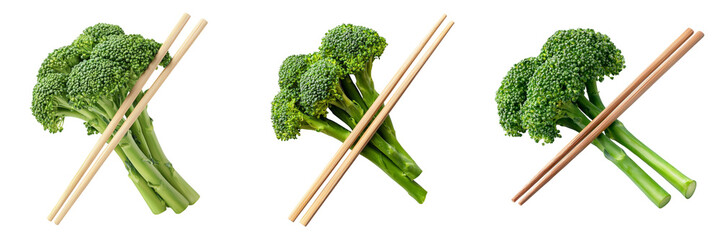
(312,85)
(558,88)
(89,80)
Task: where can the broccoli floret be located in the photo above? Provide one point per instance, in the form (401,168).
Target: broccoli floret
(287,119)
(94,35)
(290,71)
(512,94)
(320,87)
(61,60)
(354,47)
(133,51)
(97,81)
(49,101)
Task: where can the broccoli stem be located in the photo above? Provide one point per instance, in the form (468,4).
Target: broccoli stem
(336,131)
(351,91)
(618,157)
(137,133)
(618,132)
(401,160)
(162,163)
(144,166)
(386,130)
(156,204)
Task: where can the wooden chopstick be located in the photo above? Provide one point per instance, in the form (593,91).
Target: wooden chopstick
(362,124)
(137,88)
(660,59)
(615,113)
(139,107)
(372,129)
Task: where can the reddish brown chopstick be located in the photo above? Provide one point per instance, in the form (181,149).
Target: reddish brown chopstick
(602,123)
(646,72)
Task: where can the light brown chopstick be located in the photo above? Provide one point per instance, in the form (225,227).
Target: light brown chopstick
(616,102)
(372,129)
(139,107)
(604,123)
(134,92)
(350,140)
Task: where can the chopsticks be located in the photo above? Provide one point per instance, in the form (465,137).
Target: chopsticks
(134,92)
(619,105)
(371,129)
(140,106)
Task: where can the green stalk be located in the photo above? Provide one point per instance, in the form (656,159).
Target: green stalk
(156,204)
(593,93)
(351,91)
(364,81)
(163,164)
(618,132)
(145,167)
(137,132)
(402,161)
(618,157)
(336,131)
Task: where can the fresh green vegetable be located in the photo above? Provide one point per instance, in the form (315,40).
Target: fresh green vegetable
(558,88)
(313,84)
(89,80)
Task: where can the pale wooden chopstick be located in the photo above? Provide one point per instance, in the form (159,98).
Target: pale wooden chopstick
(659,60)
(137,88)
(372,129)
(616,113)
(362,124)
(139,107)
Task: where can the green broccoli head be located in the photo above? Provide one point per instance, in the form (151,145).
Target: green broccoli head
(133,51)
(554,86)
(512,95)
(290,71)
(286,117)
(538,94)
(320,87)
(95,80)
(591,52)
(47,101)
(94,35)
(353,47)
(61,60)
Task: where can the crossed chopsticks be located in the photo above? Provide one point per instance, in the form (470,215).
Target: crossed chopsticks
(57,213)
(361,126)
(638,87)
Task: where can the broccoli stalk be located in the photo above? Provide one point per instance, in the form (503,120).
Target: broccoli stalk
(540,93)
(88,80)
(577,121)
(618,132)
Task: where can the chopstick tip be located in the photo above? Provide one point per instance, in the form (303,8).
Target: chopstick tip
(700,33)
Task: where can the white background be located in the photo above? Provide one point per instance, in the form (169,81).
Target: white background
(212,117)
